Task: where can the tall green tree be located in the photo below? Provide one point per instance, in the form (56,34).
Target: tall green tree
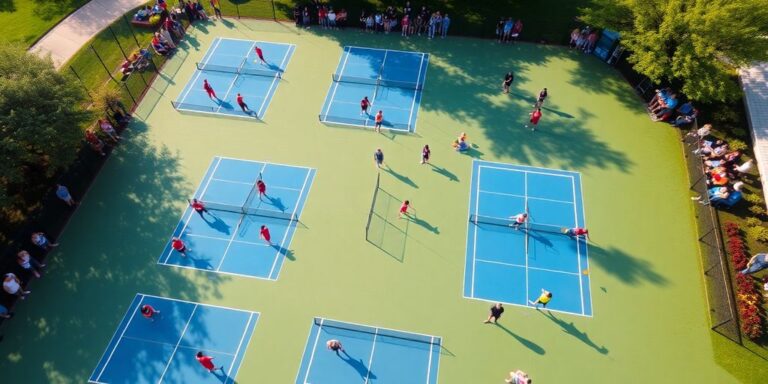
(40,118)
(697,43)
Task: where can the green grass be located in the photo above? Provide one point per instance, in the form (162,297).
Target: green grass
(547,20)
(24,21)
(649,307)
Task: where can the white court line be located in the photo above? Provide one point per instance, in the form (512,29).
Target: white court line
(183,331)
(293,215)
(240,345)
(264,162)
(523,266)
(526,171)
(169,344)
(336,84)
(226,94)
(415,91)
(422,84)
(525,166)
(199,72)
(379,328)
(429,364)
(388,108)
(314,348)
(114,348)
(474,240)
(272,85)
(379,49)
(235,231)
(214,271)
(373,350)
(527,237)
(578,250)
(529,197)
(363,126)
(251,184)
(198,304)
(191,85)
(225,239)
(238,116)
(525,306)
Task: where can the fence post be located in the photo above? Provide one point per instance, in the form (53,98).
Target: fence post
(237,7)
(117,41)
(130,94)
(102,64)
(274,13)
(88,92)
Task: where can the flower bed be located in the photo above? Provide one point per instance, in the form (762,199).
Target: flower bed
(748,298)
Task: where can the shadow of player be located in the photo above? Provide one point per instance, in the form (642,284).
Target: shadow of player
(423,223)
(275,202)
(571,329)
(358,365)
(217,223)
(450,175)
(402,178)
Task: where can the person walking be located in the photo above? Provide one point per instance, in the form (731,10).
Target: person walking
(364,104)
(544,299)
(209,90)
(507,83)
(496,311)
(216,8)
(198,206)
(378,158)
(62,193)
(262,188)
(260,54)
(535,117)
(425,153)
(378,120)
(179,246)
(542,96)
(149,312)
(404,209)
(207,362)
(242,104)
(265,235)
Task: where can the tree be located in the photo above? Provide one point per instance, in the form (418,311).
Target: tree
(696,43)
(41,118)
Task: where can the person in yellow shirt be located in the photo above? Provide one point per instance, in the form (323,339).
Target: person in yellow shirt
(544,299)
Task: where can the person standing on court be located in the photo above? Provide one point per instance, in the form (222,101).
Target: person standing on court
(544,299)
(260,54)
(518,220)
(265,235)
(578,231)
(425,153)
(179,246)
(378,120)
(542,97)
(404,209)
(378,158)
(198,206)
(364,104)
(242,104)
(262,187)
(209,90)
(149,312)
(535,117)
(507,83)
(334,345)
(496,311)
(62,193)
(207,362)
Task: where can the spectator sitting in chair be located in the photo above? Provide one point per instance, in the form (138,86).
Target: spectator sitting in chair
(684,120)
(665,109)
(143,14)
(158,46)
(657,99)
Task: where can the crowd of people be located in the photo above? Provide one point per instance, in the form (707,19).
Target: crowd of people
(665,106)
(584,39)
(28,266)
(407,20)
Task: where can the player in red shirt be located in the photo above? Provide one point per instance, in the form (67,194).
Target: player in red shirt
(404,209)
(179,246)
(264,234)
(260,54)
(364,104)
(242,104)
(535,116)
(148,311)
(209,90)
(198,206)
(379,120)
(577,231)
(207,362)
(262,187)
(518,220)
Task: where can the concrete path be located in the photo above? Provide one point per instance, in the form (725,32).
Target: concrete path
(65,39)
(754,82)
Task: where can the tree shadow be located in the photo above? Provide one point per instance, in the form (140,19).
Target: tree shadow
(535,348)
(400,177)
(7,6)
(450,175)
(627,268)
(572,330)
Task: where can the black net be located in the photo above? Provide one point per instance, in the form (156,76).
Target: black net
(250,211)
(509,222)
(377,81)
(325,323)
(240,69)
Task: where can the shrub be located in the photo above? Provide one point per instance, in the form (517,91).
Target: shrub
(737,145)
(753,222)
(758,233)
(753,198)
(757,210)
(748,299)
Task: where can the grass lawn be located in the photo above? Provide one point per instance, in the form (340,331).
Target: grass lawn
(648,298)
(24,21)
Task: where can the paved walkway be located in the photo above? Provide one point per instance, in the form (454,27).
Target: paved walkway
(65,39)
(754,82)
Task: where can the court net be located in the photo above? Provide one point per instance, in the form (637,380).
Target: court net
(508,222)
(419,338)
(240,69)
(373,205)
(246,209)
(378,81)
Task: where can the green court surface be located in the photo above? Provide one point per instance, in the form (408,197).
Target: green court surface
(649,310)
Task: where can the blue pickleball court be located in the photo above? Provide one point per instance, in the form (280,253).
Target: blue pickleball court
(231,67)
(371,355)
(392,80)
(162,350)
(512,266)
(226,239)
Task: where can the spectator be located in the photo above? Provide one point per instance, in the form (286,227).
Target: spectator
(216,8)
(589,46)
(12,286)
(682,121)
(166,38)
(518,377)
(39,239)
(507,33)
(331,19)
(369,23)
(500,29)
(407,9)
(322,16)
(95,142)
(121,118)
(405,25)
(143,14)
(5,313)
(517,29)
(574,37)
(305,17)
(108,130)
(378,22)
(446,24)
(341,18)
(62,193)
(28,263)
(297,15)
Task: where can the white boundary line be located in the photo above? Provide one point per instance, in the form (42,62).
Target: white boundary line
(466,246)
(517,167)
(474,240)
(345,55)
(527,236)
(226,94)
(523,266)
(526,306)
(224,239)
(183,331)
(383,49)
(207,58)
(272,85)
(314,348)
(238,116)
(529,197)
(416,91)
(429,363)
(364,126)
(307,193)
(264,162)
(240,345)
(199,304)
(526,171)
(578,250)
(114,348)
(423,84)
(293,223)
(215,271)
(169,344)
(370,359)
(586,244)
(191,85)
(381,328)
